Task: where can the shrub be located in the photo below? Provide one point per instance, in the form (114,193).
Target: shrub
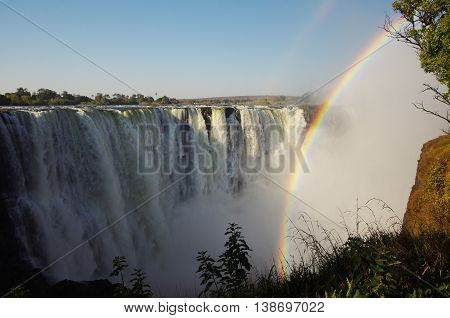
(139,288)
(230,273)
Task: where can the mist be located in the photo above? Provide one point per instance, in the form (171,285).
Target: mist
(369,145)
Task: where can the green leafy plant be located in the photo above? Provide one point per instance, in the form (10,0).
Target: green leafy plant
(119,265)
(234,261)
(139,288)
(210,272)
(230,272)
(377,259)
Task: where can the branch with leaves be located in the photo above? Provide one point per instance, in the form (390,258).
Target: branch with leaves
(426,28)
(230,273)
(139,288)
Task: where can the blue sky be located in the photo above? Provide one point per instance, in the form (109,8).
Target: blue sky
(185,48)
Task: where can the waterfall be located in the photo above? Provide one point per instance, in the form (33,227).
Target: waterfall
(68,173)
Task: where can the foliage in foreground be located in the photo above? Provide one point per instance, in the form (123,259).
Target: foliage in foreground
(228,275)
(139,288)
(374,261)
(380,265)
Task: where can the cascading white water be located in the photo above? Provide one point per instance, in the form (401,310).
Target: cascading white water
(72,172)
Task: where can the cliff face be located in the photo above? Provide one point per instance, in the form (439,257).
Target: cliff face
(429,202)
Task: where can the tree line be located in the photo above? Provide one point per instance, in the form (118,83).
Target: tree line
(48,97)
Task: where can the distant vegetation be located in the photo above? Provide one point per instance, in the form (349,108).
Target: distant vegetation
(47,97)
(243,100)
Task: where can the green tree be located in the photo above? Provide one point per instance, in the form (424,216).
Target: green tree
(20,98)
(427,29)
(56,101)
(23,92)
(174,101)
(4,101)
(67,99)
(101,99)
(79,99)
(163,101)
(133,99)
(146,101)
(119,99)
(44,96)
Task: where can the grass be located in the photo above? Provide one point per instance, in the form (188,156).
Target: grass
(381,265)
(372,261)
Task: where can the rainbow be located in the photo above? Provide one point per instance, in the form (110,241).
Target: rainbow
(378,42)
